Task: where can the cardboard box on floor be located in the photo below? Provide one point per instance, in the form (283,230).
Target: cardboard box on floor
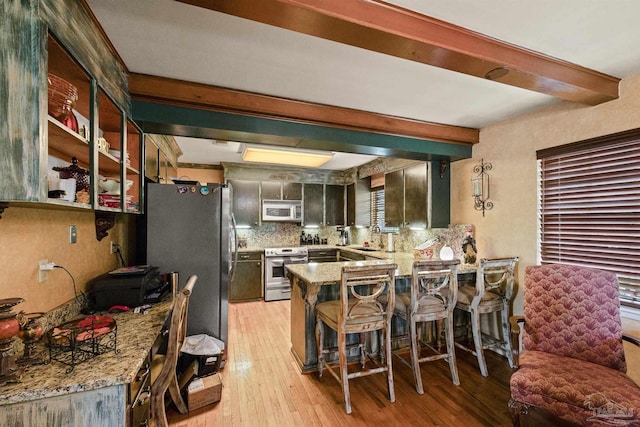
(204,391)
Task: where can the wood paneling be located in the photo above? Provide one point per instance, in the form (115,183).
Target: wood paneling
(392,30)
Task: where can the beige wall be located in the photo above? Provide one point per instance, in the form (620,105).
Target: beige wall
(510,146)
(30,234)
(511,227)
(203,176)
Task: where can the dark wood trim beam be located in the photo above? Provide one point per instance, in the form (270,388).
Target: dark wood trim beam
(175,92)
(385,28)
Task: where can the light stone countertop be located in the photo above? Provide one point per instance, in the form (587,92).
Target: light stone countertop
(328,273)
(136,333)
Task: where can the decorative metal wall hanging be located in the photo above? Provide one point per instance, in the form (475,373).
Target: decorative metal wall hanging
(481,187)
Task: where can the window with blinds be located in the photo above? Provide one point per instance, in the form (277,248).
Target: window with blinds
(377,212)
(590,207)
(377,208)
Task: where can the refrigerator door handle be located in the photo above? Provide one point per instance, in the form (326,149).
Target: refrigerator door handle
(235,240)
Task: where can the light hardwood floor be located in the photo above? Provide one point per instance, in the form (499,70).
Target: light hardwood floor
(263,387)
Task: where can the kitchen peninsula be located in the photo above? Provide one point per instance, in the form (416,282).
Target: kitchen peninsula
(313,283)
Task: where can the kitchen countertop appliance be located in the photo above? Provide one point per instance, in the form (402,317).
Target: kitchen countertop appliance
(190,230)
(276,285)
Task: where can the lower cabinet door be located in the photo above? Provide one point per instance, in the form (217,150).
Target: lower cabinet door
(247,283)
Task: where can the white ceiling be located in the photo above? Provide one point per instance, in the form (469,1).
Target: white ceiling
(176,40)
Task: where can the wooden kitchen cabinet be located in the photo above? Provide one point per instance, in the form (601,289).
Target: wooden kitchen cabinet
(416,207)
(160,157)
(42,46)
(359,203)
(313,204)
(334,204)
(271,190)
(394,199)
(323,255)
(277,190)
(247,283)
(406,197)
(291,191)
(246,202)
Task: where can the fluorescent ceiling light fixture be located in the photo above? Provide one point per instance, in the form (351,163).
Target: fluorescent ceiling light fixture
(285,157)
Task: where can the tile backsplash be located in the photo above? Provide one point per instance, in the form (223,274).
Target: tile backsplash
(278,234)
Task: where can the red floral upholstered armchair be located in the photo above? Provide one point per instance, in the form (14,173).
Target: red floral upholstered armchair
(572,362)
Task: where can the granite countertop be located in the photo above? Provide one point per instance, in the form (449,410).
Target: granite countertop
(136,334)
(328,273)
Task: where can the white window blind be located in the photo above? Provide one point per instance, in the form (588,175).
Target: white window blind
(377,212)
(377,208)
(590,207)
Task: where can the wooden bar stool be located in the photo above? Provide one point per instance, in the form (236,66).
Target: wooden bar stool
(359,311)
(433,297)
(492,293)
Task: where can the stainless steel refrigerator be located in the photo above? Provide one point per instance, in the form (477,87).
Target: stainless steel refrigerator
(190,230)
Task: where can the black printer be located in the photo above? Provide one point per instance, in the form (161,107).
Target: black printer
(129,286)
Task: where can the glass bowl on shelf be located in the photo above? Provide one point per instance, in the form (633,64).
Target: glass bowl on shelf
(62,97)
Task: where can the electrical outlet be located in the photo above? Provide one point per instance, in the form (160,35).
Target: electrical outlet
(42,273)
(73,234)
(114,248)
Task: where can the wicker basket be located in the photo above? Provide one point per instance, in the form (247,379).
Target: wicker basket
(62,97)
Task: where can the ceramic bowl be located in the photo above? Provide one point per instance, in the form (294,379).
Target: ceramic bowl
(109,185)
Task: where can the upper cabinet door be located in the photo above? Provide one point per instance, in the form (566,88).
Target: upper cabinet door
(394,199)
(359,203)
(246,202)
(415,195)
(271,190)
(334,204)
(292,191)
(313,204)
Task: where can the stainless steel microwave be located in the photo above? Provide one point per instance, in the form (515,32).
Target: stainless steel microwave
(282,210)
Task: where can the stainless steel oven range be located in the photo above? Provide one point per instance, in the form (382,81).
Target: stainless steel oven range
(276,284)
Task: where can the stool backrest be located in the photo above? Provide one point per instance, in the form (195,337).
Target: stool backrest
(496,275)
(360,290)
(434,280)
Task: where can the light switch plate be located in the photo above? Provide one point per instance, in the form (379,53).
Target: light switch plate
(73,234)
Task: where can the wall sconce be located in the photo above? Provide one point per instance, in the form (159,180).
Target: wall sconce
(481,187)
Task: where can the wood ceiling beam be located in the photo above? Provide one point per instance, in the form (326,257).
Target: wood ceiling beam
(176,92)
(385,28)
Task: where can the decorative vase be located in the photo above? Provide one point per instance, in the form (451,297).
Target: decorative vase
(446,253)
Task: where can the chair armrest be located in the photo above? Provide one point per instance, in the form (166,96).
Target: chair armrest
(514,331)
(630,338)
